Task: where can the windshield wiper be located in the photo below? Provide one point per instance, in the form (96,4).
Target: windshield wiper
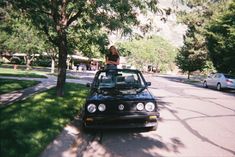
(110,90)
(141,89)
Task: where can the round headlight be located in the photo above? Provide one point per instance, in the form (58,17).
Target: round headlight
(149,106)
(91,108)
(140,106)
(101,107)
(121,107)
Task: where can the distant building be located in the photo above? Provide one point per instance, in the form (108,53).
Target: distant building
(74,62)
(81,63)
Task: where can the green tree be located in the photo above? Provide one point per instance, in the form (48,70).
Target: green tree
(19,35)
(4,29)
(221,39)
(56,18)
(91,43)
(195,43)
(192,56)
(153,51)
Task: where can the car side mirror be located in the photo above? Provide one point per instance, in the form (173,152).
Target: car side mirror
(148,83)
(88,85)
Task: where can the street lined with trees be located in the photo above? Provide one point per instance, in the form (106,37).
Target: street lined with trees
(59,28)
(193,120)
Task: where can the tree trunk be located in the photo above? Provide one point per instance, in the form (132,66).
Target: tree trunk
(188,75)
(28,62)
(52,65)
(62,41)
(68,62)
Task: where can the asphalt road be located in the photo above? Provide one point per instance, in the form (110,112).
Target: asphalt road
(194,122)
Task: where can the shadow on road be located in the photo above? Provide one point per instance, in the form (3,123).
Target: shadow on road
(132,143)
(135,144)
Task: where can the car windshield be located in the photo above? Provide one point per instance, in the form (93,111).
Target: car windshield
(120,81)
(229,76)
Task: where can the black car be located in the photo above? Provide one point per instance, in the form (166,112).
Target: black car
(120,99)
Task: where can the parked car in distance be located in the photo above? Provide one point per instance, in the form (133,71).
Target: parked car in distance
(220,81)
(120,99)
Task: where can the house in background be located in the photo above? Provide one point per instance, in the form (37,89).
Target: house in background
(80,63)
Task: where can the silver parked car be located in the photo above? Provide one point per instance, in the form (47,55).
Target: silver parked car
(220,81)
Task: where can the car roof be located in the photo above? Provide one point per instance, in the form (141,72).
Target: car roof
(224,74)
(125,70)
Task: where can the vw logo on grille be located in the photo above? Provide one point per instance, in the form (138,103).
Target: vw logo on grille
(121,107)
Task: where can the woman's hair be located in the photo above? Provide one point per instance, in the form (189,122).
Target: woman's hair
(116,51)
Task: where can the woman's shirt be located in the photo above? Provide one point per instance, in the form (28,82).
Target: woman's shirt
(111,57)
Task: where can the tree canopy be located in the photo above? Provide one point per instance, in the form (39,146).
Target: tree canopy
(221,39)
(191,56)
(57,18)
(154,51)
(211,26)
(19,35)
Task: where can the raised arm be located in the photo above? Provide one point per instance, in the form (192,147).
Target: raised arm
(113,62)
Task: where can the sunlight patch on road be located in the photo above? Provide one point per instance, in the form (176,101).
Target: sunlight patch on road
(161,93)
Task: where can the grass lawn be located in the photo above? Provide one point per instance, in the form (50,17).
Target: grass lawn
(28,126)
(20,73)
(7,86)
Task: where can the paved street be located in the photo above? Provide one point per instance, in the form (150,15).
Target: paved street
(194,122)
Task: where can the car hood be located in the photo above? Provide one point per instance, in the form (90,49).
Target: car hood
(144,95)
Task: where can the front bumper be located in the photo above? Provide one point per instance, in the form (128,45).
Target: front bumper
(121,121)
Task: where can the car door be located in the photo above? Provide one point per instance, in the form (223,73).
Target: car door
(221,80)
(210,79)
(216,80)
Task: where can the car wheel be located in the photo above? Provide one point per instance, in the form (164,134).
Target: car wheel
(154,128)
(218,87)
(85,129)
(205,84)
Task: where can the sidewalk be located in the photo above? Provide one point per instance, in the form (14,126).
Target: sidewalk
(46,83)
(9,98)
(69,143)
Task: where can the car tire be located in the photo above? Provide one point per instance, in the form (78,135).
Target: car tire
(205,84)
(154,128)
(85,129)
(218,87)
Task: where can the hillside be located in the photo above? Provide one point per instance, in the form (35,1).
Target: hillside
(161,24)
